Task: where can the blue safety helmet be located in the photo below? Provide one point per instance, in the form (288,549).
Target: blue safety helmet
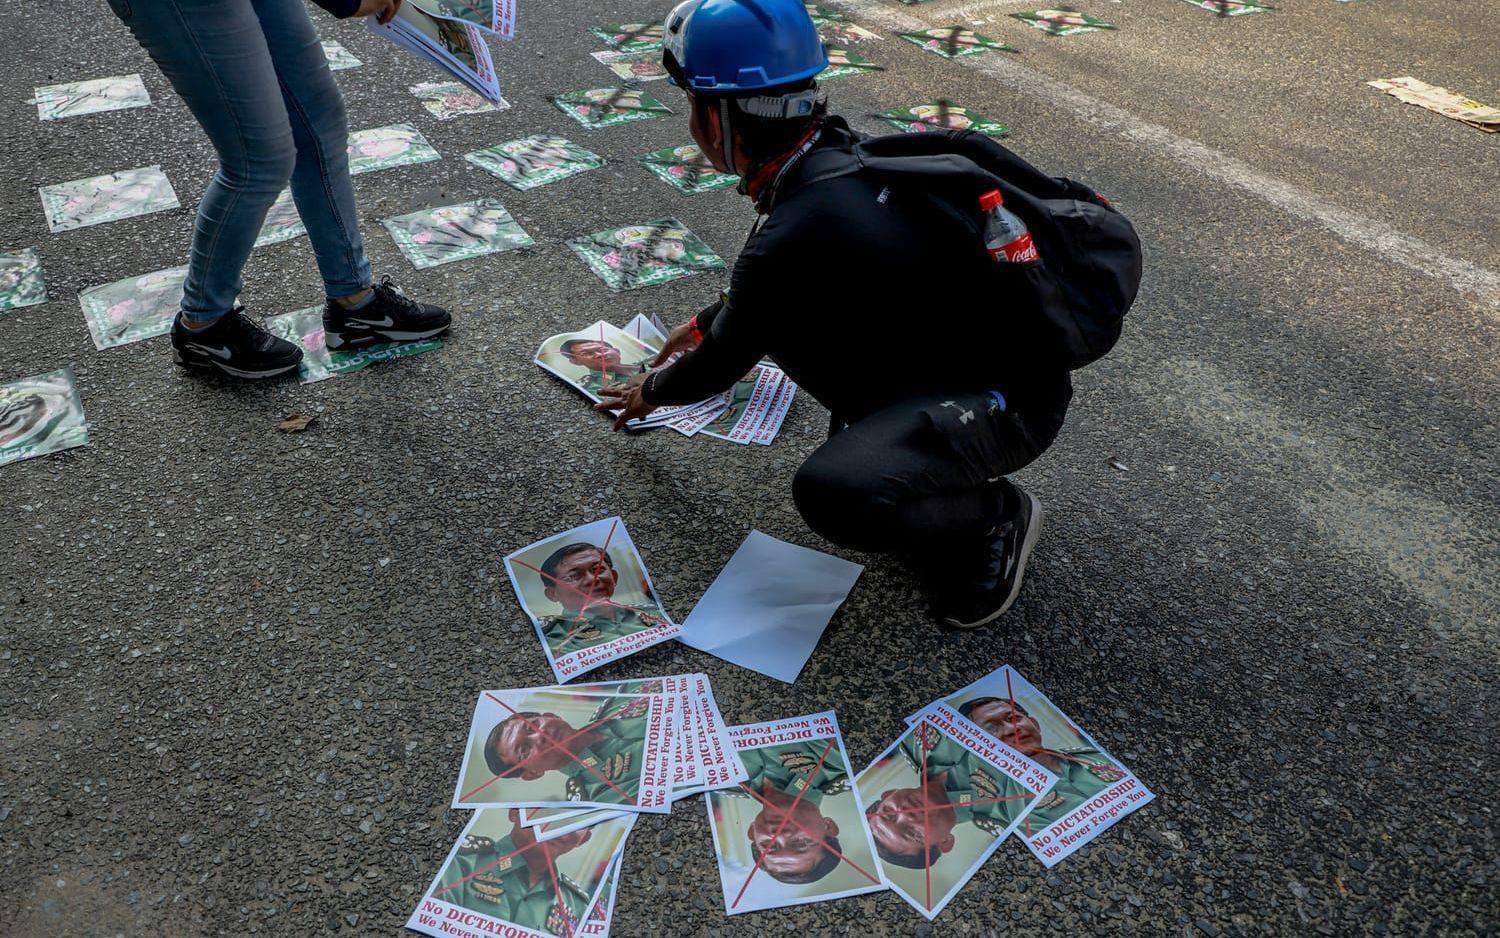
(739,46)
(731,49)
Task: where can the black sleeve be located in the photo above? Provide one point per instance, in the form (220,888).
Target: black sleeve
(343,9)
(714,366)
(736,331)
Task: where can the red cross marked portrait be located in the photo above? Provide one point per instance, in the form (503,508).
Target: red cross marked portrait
(940,800)
(588,594)
(1094,789)
(595,357)
(792,831)
(551,747)
(499,879)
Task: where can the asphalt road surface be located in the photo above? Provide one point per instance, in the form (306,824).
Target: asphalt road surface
(237,665)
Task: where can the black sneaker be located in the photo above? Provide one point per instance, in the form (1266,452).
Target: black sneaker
(987,594)
(391,316)
(234,345)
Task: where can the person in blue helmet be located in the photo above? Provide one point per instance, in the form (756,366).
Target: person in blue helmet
(843,269)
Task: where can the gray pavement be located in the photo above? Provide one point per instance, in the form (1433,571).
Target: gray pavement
(236,666)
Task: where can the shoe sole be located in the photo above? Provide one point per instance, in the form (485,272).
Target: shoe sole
(204,364)
(1029,541)
(336,342)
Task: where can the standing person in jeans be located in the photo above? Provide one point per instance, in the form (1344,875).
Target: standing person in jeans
(843,276)
(254,74)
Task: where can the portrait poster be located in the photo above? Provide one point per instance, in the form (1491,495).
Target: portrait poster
(40,415)
(99,199)
(546,747)
(95,96)
(134,308)
(1094,789)
(940,800)
(388,147)
(22,282)
(589,596)
(792,831)
(499,880)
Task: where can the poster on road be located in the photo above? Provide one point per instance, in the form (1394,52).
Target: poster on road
(1062,22)
(40,415)
(941,114)
(388,147)
(606,107)
(282,221)
(77,98)
(534,161)
(631,37)
(687,170)
(133,309)
(589,596)
(100,199)
(792,832)
(305,328)
(940,800)
(547,747)
(1094,790)
(446,100)
(645,255)
(452,233)
(950,42)
(22,282)
(499,880)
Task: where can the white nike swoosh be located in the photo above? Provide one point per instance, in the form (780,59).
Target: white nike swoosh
(221,352)
(384,323)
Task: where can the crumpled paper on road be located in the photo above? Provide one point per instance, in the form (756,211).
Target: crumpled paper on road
(1445,102)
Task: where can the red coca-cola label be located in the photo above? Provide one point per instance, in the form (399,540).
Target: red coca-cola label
(1019,251)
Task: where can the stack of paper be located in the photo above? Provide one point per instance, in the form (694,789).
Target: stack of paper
(591,359)
(447,34)
(557,777)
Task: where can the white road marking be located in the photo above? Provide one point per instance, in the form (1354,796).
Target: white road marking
(1437,551)
(1360,230)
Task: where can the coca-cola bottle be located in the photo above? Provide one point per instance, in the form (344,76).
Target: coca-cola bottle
(1005,235)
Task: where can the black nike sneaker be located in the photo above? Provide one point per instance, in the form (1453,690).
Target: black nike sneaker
(391,316)
(235,345)
(988,592)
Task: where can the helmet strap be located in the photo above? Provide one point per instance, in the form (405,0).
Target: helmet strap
(726,136)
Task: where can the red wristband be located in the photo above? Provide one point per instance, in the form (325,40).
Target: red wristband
(696,333)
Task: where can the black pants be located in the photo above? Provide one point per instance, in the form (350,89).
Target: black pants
(923,477)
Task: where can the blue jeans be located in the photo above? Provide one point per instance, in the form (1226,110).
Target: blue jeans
(254,75)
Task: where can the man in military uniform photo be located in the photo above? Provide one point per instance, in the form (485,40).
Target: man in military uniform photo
(602,764)
(603,362)
(1082,772)
(516,879)
(794,845)
(957,787)
(581,578)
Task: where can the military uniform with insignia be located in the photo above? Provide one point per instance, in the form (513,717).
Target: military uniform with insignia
(1083,773)
(594,380)
(571,632)
(969,781)
(609,770)
(492,879)
(790,770)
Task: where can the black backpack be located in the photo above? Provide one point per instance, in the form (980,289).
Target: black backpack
(1090,266)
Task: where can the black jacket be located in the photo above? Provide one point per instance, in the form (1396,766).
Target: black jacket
(340,8)
(864,296)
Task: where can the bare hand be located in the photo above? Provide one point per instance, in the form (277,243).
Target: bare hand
(683,338)
(627,399)
(383,10)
